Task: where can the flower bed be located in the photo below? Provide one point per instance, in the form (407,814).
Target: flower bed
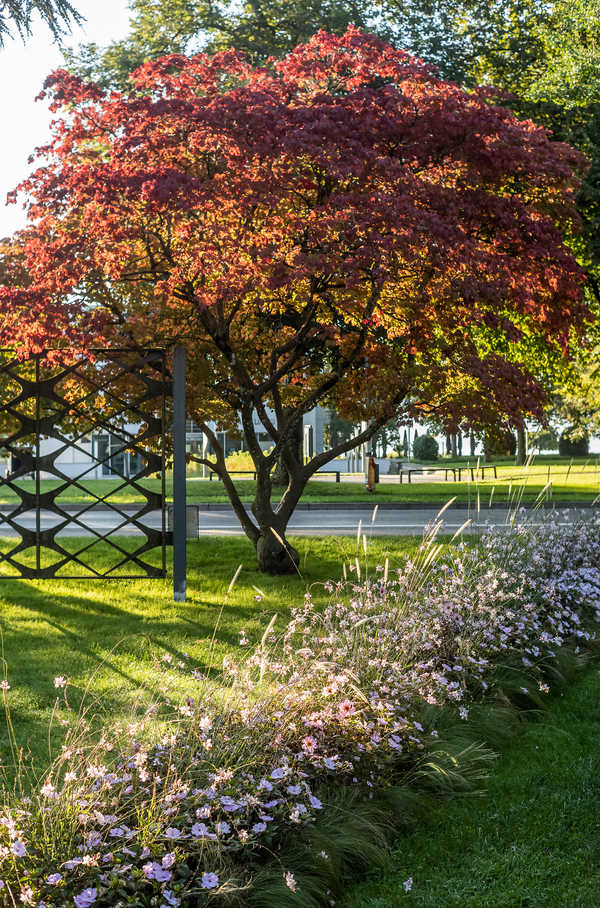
(268,781)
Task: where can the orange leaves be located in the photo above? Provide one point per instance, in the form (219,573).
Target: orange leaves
(338,205)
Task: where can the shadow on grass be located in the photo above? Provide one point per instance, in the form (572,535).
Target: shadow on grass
(118,631)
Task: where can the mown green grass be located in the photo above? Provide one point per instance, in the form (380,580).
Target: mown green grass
(576,482)
(534,842)
(116,632)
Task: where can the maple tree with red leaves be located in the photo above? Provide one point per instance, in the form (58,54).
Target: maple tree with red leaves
(339,227)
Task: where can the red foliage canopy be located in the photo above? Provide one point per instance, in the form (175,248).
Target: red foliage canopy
(340,226)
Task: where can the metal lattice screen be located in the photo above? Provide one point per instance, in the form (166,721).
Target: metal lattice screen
(83,443)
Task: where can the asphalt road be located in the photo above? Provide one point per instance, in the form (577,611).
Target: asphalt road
(313,522)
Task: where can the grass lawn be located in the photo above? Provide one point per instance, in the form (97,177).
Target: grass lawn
(119,629)
(534,842)
(579,482)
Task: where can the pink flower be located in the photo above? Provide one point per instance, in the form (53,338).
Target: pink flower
(346,708)
(48,791)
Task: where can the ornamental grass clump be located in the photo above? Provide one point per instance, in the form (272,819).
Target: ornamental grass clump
(264,784)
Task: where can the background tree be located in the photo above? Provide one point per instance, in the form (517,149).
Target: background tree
(340,228)
(259,29)
(559,87)
(58,15)
(466,39)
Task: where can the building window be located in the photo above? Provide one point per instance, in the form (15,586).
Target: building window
(115,459)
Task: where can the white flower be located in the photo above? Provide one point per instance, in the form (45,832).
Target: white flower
(290,881)
(408,884)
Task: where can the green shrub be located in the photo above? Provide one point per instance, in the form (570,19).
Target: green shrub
(425,447)
(573,447)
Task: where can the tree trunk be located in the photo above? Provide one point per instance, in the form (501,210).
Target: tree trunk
(521,447)
(273,557)
(280,475)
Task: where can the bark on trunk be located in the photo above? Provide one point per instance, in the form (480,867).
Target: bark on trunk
(521,447)
(280,476)
(273,557)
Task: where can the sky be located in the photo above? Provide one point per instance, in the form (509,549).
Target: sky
(23,68)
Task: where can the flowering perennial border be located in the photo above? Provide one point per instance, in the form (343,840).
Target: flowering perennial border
(255,790)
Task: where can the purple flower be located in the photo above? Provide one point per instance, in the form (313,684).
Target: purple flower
(210,880)
(92,840)
(54,879)
(170,899)
(154,871)
(85,898)
(201,831)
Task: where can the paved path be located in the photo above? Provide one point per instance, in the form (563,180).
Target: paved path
(313,522)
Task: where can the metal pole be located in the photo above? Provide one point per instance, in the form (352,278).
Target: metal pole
(179,502)
(38,513)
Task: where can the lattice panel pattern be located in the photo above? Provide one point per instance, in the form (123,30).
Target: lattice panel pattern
(64,426)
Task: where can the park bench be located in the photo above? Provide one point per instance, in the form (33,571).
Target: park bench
(447,470)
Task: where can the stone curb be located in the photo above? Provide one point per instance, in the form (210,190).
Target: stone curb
(339,506)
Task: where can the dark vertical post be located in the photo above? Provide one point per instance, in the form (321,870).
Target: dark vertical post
(38,514)
(179,498)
